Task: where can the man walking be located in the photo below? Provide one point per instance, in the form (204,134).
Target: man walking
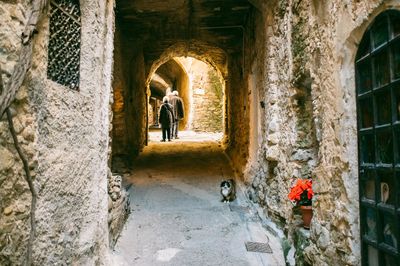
(178,112)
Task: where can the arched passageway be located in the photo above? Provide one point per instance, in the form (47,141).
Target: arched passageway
(152,43)
(175,79)
(201,90)
(150,35)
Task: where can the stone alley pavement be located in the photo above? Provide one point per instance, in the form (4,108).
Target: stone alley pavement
(177,215)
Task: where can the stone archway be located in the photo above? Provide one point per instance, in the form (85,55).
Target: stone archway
(202,52)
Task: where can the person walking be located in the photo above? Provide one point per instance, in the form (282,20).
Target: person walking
(166,119)
(178,112)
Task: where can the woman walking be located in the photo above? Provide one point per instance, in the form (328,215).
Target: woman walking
(166,119)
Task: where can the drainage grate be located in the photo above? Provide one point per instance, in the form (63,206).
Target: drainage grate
(258,247)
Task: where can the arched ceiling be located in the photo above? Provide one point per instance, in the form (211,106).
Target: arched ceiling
(158,86)
(170,71)
(161,23)
(166,76)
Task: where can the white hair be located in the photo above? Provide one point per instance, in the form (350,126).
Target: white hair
(175,93)
(165,99)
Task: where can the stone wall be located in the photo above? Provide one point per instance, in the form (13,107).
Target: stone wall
(15,194)
(207,98)
(15,197)
(130,99)
(308,89)
(237,117)
(118,207)
(65,135)
(119,85)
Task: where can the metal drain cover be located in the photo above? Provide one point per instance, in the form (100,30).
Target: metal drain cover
(258,247)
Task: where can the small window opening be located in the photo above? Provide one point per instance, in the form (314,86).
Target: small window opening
(64,43)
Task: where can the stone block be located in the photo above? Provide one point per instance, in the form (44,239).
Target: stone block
(7,159)
(8,210)
(272,153)
(273,138)
(324,239)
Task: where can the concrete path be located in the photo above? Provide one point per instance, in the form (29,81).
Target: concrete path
(177,217)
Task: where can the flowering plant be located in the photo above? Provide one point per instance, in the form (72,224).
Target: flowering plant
(302,192)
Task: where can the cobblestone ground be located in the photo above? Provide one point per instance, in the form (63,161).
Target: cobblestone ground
(177,215)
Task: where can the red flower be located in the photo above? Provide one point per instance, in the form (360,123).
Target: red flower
(302,192)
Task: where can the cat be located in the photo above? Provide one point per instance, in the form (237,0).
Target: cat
(228,190)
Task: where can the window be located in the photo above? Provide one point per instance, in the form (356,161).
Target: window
(64,43)
(378,114)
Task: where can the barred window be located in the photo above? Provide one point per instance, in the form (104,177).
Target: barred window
(64,43)
(378,112)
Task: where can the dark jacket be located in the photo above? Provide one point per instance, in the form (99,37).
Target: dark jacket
(165,118)
(178,108)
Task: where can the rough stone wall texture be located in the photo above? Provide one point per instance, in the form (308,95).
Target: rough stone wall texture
(118,207)
(184,93)
(257,104)
(69,132)
(130,99)
(15,196)
(310,120)
(207,99)
(119,86)
(136,104)
(237,115)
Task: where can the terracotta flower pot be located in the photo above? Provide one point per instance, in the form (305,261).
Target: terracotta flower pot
(306,212)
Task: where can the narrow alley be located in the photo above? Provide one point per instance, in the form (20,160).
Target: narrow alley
(177,215)
(298,100)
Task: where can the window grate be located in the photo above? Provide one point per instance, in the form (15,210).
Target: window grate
(378,114)
(64,43)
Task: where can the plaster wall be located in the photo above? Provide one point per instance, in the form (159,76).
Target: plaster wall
(69,134)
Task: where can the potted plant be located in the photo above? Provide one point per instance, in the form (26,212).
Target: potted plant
(301,193)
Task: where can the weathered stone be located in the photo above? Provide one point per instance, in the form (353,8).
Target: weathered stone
(28,134)
(7,159)
(272,153)
(324,239)
(273,126)
(206,110)
(273,138)
(8,210)
(64,133)
(303,155)
(21,95)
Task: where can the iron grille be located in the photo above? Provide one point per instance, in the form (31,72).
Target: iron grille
(64,43)
(378,115)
